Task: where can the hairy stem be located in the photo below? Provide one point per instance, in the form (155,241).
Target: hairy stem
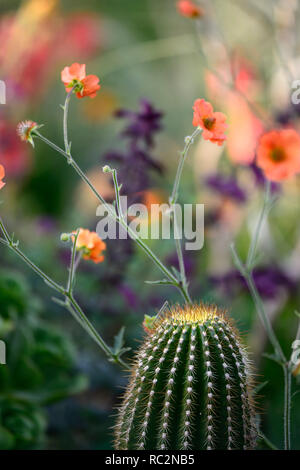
(69,302)
(65,121)
(247,272)
(117,193)
(262,217)
(173,280)
(173,200)
(73,266)
(184,154)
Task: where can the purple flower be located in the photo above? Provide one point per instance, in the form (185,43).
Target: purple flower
(142,125)
(136,162)
(269,281)
(226,186)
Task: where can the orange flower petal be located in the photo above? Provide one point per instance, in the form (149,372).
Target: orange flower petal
(91,245)
(278,154)
(74,72)
(90,86)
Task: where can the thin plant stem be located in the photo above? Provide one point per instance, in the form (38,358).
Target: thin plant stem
(117,193)
(262,217)
(265,318)
(8,241)
(93,332)
(179,252)
(181,284)
(247,272)
(181,262)
(65,121)
(173,200)
(70,303)
(72,267)
(183,156)
(173,280)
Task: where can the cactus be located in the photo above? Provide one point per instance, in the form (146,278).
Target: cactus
(190,386)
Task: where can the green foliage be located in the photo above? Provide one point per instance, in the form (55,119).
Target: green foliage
(190,387)
(39,366)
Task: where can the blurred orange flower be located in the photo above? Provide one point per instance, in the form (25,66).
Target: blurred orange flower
(278,154)
(75,77)
(245,127)
(189,9)
(212,123)
(91,245)
(2,174)
(244,130)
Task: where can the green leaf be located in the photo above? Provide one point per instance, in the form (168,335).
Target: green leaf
(176,272)
(119,341)
(161,282)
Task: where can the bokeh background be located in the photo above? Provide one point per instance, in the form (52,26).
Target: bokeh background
(57,390)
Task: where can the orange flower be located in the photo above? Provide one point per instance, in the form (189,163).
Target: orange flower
(84,85)
(2,174)
(91,245)
(212,123)
(278,154)
(189,9)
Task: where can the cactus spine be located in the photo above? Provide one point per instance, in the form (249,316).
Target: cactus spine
(190,387)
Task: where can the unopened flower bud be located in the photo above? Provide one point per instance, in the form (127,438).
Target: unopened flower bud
(106,169)
(65,237)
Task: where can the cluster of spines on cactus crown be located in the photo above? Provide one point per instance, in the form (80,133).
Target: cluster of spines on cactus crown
(190,387)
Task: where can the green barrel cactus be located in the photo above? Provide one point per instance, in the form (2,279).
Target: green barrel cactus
(190,386)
